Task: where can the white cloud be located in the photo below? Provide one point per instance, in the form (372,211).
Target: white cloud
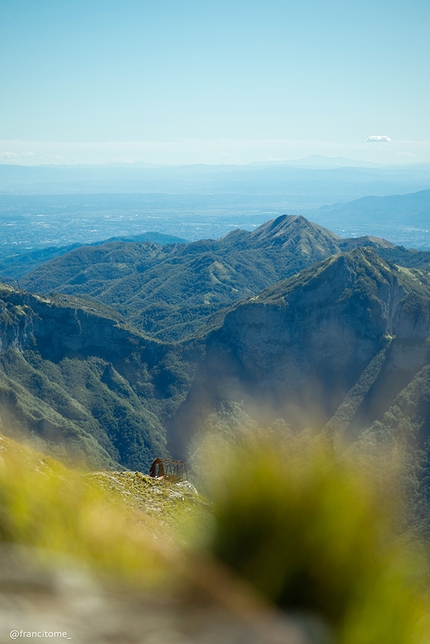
(14,156)
(378,139)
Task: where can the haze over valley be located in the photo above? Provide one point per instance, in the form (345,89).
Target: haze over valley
(50,206)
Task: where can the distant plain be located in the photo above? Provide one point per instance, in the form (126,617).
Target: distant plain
(61,205)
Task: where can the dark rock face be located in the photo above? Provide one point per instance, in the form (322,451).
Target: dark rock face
(297,350)
(58,329)
(16,326)
(76,378)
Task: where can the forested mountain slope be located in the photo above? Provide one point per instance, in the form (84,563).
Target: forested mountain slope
(170,292)
(330,348)
(340,347)
(15,263)
(82,383)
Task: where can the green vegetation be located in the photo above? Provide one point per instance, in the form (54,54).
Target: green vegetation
(313,535)
(316,536)
(14,264)
(408,257)
(170,292)
(163,503)
(329,347)
(406,424)
(58,510)
(367,270)
(75,378)
(227,346)
(81,409)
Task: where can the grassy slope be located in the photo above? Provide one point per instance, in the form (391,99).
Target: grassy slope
(106,520)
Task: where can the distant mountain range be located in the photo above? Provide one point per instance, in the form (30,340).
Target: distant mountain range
(412,209)
(322,161)
(405,217)
(327,179)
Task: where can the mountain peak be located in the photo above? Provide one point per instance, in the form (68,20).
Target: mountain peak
(281,225)
(296,233)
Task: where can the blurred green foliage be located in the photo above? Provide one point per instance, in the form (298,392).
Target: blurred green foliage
(317,536)
(54,509)
(314,535)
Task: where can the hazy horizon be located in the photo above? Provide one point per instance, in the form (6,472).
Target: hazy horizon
(211,153)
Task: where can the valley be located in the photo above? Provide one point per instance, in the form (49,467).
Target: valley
(130,350)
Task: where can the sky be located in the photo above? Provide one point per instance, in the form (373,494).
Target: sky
(186,81)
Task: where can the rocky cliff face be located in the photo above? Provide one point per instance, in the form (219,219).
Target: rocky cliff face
(73,376)
(16,320)
(297,350)
(58,325)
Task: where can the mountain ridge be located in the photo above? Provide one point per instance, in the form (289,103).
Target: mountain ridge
(340,347)
(404,218)
(296,350)
(78,380)
(170,292)
(14,265)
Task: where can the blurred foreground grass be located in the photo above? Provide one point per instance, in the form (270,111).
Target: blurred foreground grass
(55,509)
(310,534)
(319,536)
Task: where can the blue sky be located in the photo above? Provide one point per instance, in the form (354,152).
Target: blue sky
(185,81)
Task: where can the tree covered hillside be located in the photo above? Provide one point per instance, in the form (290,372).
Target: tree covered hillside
(340,347)
(15,263)
(170,292)
(84,385)
(329,349)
